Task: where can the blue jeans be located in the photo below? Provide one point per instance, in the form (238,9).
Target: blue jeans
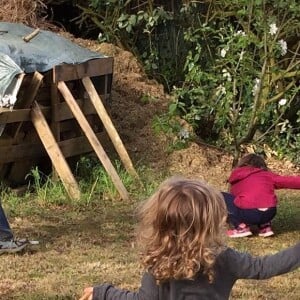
(254,216)
(5,231)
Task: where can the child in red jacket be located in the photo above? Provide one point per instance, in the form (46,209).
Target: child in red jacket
(252,199)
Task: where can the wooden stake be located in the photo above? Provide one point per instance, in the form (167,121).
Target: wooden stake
(110,128)
(91,136)
(55,124)
(30,36)
(30,96)
(54,152)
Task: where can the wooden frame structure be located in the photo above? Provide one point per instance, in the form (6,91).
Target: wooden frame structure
(60,114)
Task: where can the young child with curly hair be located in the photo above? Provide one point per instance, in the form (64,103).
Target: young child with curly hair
(252,199)
(183,252)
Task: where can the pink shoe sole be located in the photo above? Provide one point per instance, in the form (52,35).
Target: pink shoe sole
(237,234)
(266,234)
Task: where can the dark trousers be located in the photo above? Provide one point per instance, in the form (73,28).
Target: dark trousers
(5,231)
(254,216)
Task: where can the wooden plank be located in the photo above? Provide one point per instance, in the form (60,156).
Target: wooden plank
(55,124)
(93,139)
(15,115)
(91,68)
(54,152)
(109,126)
(64,113)
(18,85)
(30,96)
(20,168)
(4,169)
(20,152)
(55,112)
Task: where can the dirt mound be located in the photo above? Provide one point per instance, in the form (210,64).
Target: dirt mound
(28,12)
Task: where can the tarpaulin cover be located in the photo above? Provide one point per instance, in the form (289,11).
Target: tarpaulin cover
(41,53)
(8,70)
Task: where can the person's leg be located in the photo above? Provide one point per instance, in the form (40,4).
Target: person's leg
(265,229)
(234,212)
(235,218)
(5,230)
(7,242)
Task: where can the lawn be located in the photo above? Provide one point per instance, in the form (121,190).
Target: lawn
(82,245)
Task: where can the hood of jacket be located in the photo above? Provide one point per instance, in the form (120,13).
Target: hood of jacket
(241,173)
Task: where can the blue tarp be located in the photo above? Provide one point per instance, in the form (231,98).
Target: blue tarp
(43,52)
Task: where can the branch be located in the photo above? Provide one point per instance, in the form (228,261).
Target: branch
(284,74)
(252,123)
(30,36)
(278,96)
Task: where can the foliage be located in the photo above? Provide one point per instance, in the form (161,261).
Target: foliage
(241,73)
(148,29)
(94,180)
(233,66)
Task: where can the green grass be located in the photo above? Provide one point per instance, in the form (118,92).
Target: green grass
(91,242)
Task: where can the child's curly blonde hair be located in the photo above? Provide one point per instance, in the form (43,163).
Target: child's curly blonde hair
(181,229)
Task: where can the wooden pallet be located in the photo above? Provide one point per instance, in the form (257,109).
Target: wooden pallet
(61,114)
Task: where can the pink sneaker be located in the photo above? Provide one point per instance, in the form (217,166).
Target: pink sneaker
(239,232)
(266,231)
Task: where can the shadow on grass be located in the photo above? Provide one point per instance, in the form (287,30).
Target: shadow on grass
(287,218)
(59,227)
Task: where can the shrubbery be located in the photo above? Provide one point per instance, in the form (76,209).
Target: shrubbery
(232,65)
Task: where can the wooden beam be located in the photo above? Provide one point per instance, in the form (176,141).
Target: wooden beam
(30,96)
(54,152)
(33,150)
(93,139)
(110,128)
(55,125)
(64,113)
(90,68)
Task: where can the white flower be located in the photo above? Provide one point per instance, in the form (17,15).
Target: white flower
(273,29)
(220,90)
(284,126)
(282,102)
(184,134)
(256,86)
(226,74)
(240,32)
(223,52)
(242,55)
(283,46)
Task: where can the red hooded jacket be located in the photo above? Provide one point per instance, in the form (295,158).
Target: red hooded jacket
(255,187)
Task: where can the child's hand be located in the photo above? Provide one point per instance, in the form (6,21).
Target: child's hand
(87,294)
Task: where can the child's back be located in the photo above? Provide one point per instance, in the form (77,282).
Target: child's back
(183,250)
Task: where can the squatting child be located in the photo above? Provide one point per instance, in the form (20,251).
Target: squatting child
(252,199)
